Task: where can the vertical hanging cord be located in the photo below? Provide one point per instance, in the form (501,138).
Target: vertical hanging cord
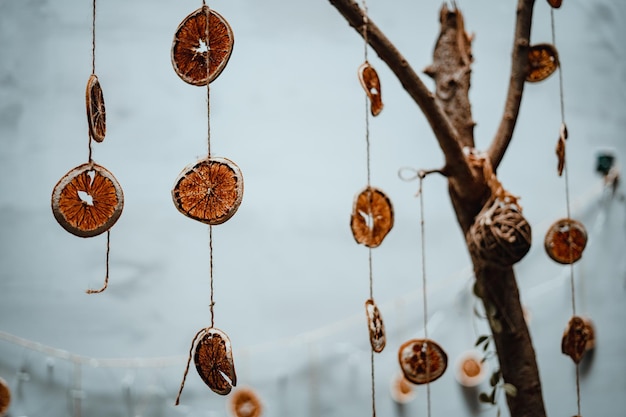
(208,118)
(212,303)
(421,176)
(567,201)
(93,59)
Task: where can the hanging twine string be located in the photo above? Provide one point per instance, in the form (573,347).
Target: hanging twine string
(421,174)
(106,277)
(93,62)
(567,200)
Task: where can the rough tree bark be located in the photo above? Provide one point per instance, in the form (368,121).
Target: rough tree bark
(448,112)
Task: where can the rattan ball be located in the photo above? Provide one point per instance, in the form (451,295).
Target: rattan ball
(500,235)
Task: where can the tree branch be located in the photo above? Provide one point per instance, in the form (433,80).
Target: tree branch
(456,164)
(517,80)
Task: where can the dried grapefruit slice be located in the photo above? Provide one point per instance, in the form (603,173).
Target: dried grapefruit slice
(422,360)
(543,60)
(190,46)
(375,325)
(96,112)
(557,241)
(372,217)
(213,358)
(371,83)
(209,190)
(88,200)
(244,402)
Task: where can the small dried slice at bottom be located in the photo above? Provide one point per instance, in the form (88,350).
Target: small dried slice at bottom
(543,60)
(5,397)
(209,190)
(557,241)
(96,112)
(244,402)
(578,338)
(88,200)
(422,360)
(213,358)
(555,3)
(372,217)
(375,326)
(371,84)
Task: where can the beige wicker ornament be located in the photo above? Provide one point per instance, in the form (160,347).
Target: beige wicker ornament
(543,60)
(192,42)
(371,84)
(578,338)
(96,112)
(244,402)
(372,217)
(422,360)
(88,200)
(5,397)
(375,325)
(565,241)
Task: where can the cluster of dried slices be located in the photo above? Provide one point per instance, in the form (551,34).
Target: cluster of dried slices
(565,241)
(96,112)
(192,42)
(543,60)
(422,360)
(372,217)
(5,397)
(578,338)
(88,200)
(244,402)
(375,325)
(371,84)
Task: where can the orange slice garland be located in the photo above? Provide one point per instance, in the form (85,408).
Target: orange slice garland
(543,60)
(371,83)
(190,46)
(422,360)
(372,217)
(209,190)
(88,200)
(96,112)
(375,325)
(557,241)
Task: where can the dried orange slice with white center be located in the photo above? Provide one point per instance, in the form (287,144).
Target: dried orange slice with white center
(372,217)
(88,200)
(565,241)
(244,402)
(422,360)
(192,42)
(213,358)
(375,325)
(96,112)
(543,60)
(371,84)
(209,190)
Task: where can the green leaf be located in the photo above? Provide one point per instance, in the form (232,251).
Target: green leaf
(496,325)
(482,339)
(492,397)
(484,398)
(510,389)
(476,289)
(495,377)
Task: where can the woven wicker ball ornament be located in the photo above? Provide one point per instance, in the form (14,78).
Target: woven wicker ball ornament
(190,46)
(422,360)
(5,397)
(213,358)
(96,112)
(88,200)
(578,338)
(209,190)
(500,234)
(375,325)
(244,402)
(371,84)
(372,217)
(543,60)
(557,241)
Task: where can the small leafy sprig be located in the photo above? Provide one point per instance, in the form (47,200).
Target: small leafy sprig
(496,381)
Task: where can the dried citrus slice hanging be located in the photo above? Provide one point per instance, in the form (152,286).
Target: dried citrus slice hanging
(213,358)
(190,46)
(375,325)
(244,402)
(402,390)
(96,112)
(88,200)
(471,369)
(578,338)
(371,83)
(422,360)
(555,3)
(557,241)
(209,190)
(372,217)
(543,60)
(5,397)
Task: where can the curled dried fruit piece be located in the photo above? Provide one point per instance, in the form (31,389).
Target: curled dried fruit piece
(88,200)
(372,217)
(557,241)
(422,360)
(371,83)
(543,60)
(375,325)
(191,46)
(96,112)
(244,402)
(578,338)
(5,397)
(209,190)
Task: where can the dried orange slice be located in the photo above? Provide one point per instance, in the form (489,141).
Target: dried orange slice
(375,325)
(555,3)
(371,83)
(372,217)
(557,241)
(471,369)
(5,397)
(209,190)
(244,402)
(96,113)
(422,360)
(402,390)
(88,200)
(214,361)
(191,46)
(578,338)
(543,60)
